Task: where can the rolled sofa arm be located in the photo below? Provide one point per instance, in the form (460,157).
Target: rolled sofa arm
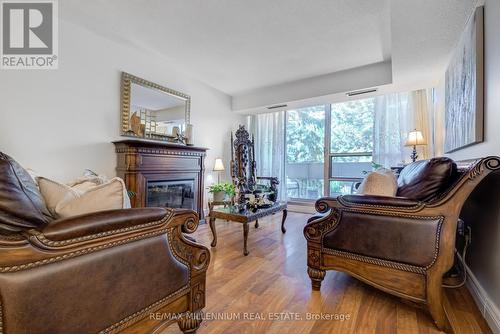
(379,201)
(113,226)
(267,178)
(103,222)
(107,229)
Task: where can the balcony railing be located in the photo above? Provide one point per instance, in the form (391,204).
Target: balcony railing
(305,181)
(347,170)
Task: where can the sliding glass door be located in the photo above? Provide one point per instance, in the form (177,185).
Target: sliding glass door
(328,148)
(351,144)
(305,152)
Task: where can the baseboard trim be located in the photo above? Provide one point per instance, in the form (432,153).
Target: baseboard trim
(488,309)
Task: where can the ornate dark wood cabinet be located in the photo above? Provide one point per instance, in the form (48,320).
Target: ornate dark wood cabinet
(162,174)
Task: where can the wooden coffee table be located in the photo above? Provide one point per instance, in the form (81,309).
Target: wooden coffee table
(232,213)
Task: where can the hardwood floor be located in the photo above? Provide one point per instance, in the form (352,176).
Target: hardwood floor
(273,279)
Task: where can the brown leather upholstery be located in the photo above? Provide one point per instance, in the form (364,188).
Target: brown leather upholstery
(406,240)
(53,280)
(104,221)
(426,179)
(87,294)
(378,201)
(21,204)
(403,246)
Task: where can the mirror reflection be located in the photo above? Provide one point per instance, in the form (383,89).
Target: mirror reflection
(154,112)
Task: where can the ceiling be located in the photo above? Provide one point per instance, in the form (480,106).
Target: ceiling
(424,33)
(238,46)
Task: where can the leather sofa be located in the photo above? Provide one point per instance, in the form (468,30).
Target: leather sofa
(113,271)
(402,245)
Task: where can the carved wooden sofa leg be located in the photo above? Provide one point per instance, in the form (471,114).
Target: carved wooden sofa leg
(435,304)
(190,322)
(317,276)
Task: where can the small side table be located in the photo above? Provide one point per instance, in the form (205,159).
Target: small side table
(232,213)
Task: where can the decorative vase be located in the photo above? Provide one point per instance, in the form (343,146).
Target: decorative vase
(175,131)
(188,133)
(219,196)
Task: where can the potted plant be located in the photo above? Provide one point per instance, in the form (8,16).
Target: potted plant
(221,190)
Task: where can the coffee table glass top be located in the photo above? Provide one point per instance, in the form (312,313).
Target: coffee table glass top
(250,213)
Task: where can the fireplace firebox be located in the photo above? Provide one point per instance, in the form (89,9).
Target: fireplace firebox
(171,194)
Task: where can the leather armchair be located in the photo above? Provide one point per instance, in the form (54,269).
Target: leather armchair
(401,245)
(127,270)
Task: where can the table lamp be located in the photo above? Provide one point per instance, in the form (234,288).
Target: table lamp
(218,167)
(415,138)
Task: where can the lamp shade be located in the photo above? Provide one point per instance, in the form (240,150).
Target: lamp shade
(415,138)
(219,166)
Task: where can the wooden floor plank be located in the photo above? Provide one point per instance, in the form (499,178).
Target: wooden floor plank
(273,279)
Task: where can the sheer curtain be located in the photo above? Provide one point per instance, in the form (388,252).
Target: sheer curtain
(390,125)
(397,114)
(422,110)
(269,132)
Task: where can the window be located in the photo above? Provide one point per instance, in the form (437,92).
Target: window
(326,150)
(351,144)
(304,161)
(348,129)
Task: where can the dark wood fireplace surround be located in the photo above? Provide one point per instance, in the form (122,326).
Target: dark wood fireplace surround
(140,162)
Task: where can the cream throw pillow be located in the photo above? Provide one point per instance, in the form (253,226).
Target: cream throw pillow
(381,182)
(64,201)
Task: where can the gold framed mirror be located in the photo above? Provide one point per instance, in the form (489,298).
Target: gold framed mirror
(151,111)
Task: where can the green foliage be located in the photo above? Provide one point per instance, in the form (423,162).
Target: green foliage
(352,126)
(305,133)
(341,187)
(352,130)
(226,187)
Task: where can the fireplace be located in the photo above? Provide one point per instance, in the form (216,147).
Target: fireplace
(171,194)
(162,174)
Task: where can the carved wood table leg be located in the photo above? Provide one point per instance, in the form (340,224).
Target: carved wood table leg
(214,232)
(190,322)
(317,276)
(257,223)
(285,213)
(245,239)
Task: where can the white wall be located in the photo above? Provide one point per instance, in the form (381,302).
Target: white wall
(491,144)
(62,121)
